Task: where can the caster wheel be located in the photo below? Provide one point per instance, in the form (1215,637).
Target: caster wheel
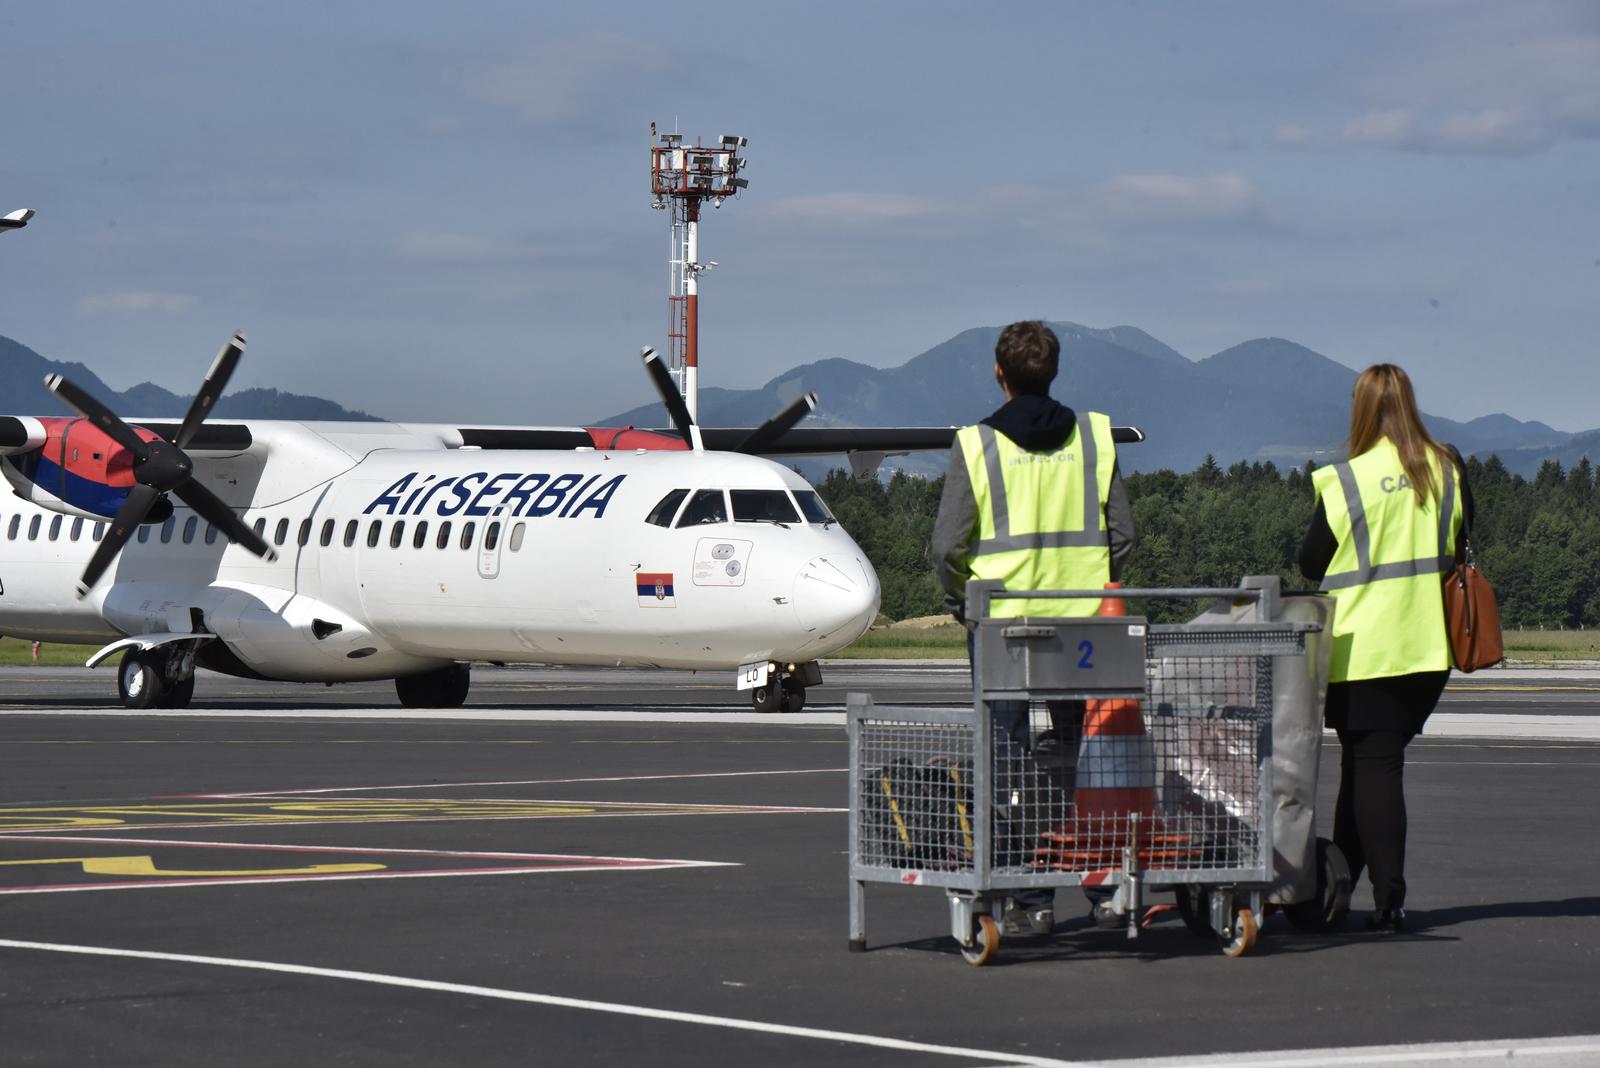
(768,698)
(1194,906)
(1244,934)
(139,680)
(986,939)
(1326,911)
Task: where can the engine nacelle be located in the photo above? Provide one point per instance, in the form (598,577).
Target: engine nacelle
(69,465)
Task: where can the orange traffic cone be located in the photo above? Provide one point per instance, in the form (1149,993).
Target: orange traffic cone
(1116,778)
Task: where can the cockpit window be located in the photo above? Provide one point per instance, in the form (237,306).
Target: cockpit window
(763,506)
(706,506)
(813,507)
(661,515)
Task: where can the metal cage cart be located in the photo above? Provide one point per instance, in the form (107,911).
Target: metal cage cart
(1177,757)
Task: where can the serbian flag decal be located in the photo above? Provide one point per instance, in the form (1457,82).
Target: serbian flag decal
(655,589)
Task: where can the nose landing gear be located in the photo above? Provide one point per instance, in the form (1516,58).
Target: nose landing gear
(785,690)
(156,678)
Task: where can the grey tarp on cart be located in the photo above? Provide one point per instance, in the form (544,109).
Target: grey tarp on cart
(1299,692)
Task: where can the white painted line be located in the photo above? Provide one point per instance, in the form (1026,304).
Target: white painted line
(1489,725)
(385,851)
(526,997)
(519,782)
(667,714)
(1582,1048)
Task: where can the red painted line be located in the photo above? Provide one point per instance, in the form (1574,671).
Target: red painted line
(509,782)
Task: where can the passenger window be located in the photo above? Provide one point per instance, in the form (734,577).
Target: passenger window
(99,531)
(55,527)
(398,534)
(444,535)
(260,528)
(706,506)
(491,536)
(144,531)
(77,528)
(373,532)
(16,525)
(466,534)
(763,506)
(327,533)
(813,507)
(305,531)
(420,538)
(281,535)
(661,515)
(350,533)
(516,537)
(167,527)
(189,527)
(211,534)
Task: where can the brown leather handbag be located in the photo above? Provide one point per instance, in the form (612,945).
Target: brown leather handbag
(1471,616)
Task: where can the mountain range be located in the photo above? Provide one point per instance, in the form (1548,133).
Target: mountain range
(1265,399)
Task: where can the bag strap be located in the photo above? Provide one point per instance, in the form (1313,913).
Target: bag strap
(1466,513)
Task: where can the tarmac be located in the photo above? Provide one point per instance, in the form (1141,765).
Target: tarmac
(593,866)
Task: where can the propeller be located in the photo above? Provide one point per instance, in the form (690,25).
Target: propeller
(757,440)
(162,467)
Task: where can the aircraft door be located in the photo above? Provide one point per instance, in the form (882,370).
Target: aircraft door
(489,550)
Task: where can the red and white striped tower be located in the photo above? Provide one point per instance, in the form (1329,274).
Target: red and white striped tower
(683,178)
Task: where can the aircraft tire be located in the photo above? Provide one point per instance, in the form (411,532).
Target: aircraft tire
(139,680)
(768,698)
(443,688)
(178,694)
(794,699)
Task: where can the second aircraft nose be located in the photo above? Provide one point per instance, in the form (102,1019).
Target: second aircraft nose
(836,597)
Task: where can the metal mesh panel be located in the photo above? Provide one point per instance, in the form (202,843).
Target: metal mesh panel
(915,806)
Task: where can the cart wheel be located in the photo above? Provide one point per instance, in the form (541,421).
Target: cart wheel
(1326,911)
(985,941)
(1194,905)
(1244,934)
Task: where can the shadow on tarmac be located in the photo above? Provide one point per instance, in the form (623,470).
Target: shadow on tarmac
(1567,908)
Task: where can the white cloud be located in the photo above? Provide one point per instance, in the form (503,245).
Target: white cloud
(445,245)
(133,302)
(1180,196)
(1494,130)
(1384,128)
(858,209)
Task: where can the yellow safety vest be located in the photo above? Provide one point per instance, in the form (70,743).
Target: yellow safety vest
(1042,515)
(1387,572)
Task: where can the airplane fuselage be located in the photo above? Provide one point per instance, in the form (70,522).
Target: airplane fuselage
(396,560)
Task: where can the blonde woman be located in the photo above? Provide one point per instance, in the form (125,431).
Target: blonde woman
(1385,531)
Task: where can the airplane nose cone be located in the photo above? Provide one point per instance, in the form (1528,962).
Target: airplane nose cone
(836,595)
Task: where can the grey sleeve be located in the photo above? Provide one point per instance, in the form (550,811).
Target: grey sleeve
(954,533)
(1119,523)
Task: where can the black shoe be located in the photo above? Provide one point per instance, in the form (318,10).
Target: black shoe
(1387,921)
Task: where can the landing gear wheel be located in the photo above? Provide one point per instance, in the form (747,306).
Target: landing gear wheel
(1326,911)
(1194,906)
(1244,934)
(445,687)
(768,698)
(985,940)
(140,681)
(794,698)
(178,694)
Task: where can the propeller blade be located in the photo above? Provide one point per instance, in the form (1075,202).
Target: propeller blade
(669,393)
(98,414)
(219,515)
(773,429)
(216,381)
(133,511)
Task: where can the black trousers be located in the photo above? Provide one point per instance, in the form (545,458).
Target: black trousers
(1369,821)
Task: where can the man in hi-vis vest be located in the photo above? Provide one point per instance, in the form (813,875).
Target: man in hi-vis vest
(1034,499)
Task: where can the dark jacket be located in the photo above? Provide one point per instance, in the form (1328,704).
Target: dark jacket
(1038,424)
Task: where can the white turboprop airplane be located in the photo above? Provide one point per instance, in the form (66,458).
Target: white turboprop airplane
(345,551)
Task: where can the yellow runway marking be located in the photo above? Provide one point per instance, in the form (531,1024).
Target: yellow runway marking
(146,866)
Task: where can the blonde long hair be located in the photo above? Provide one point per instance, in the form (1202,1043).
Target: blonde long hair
(1384,406)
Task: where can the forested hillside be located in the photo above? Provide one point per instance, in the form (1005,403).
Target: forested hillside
(1537,539)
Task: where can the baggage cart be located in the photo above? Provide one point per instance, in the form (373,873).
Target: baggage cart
(1156,757)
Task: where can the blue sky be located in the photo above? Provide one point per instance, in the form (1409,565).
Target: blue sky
(441,211)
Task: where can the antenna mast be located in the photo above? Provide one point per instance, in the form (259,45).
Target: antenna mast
(683,178)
